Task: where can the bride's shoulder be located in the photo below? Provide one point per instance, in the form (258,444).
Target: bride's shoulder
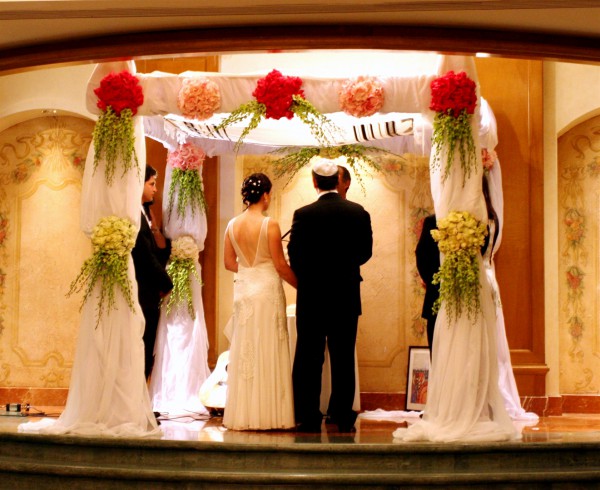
(231,221)
(272,225)
(271,221)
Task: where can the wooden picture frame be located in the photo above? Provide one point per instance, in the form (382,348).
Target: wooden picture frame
(417,377)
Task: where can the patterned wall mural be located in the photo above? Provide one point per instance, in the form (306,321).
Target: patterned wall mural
(41,248)
(579,239)
(392,293)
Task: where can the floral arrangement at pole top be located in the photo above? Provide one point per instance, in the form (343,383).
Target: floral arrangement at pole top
(277,96)
(181,268)
(453,98)
(362,96)
(198,98)
(186,163)
(460,237)
(113,238)
(119,96)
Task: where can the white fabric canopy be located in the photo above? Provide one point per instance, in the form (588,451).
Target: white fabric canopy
(402,94)
(403,125)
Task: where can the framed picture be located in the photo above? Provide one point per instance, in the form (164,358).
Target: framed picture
(417,377)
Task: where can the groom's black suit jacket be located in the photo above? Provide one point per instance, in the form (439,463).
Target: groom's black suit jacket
(330,239)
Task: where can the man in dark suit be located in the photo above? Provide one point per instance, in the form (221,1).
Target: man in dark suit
(428,263)
(330,239)
(150,256)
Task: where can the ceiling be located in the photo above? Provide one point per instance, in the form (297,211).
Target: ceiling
(31,23)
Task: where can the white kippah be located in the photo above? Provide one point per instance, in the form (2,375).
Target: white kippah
(325,167)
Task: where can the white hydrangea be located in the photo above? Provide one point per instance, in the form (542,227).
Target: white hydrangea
(184,248)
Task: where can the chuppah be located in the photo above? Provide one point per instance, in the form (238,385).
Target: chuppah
(393,121)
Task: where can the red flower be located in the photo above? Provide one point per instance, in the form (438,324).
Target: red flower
(574,278)
(120,91)
(418,228)
(276,92)
(453,93)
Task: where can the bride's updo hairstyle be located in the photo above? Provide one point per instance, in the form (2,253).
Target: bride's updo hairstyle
(253,188)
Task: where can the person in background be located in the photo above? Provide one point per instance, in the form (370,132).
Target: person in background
(150,256)
(330,239)
(344,181)
(428,263)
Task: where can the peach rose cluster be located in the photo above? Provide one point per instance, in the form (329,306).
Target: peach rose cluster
(362,96)
(199,98)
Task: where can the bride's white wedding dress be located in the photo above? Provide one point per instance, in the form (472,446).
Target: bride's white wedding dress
(259,391)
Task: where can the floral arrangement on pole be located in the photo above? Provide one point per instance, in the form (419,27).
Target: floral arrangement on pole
(488,158)
(277,96)
(119,96)
(113,238)
(460,237)
(181,269)
(198,98)
(186,162)
(453,98)
(362,96)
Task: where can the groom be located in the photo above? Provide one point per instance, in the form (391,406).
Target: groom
(330,239)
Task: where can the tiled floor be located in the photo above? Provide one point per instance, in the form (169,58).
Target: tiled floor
(371,428)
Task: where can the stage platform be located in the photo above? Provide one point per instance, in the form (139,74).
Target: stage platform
(558,452)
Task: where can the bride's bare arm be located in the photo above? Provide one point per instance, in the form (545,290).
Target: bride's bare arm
(276,249)
(230,258)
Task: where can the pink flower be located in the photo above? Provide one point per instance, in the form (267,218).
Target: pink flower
(199,98)
(576,328)
(488,158)
(362,96)
(186,157)
(418,228)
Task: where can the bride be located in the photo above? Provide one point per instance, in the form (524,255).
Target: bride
(259,392)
